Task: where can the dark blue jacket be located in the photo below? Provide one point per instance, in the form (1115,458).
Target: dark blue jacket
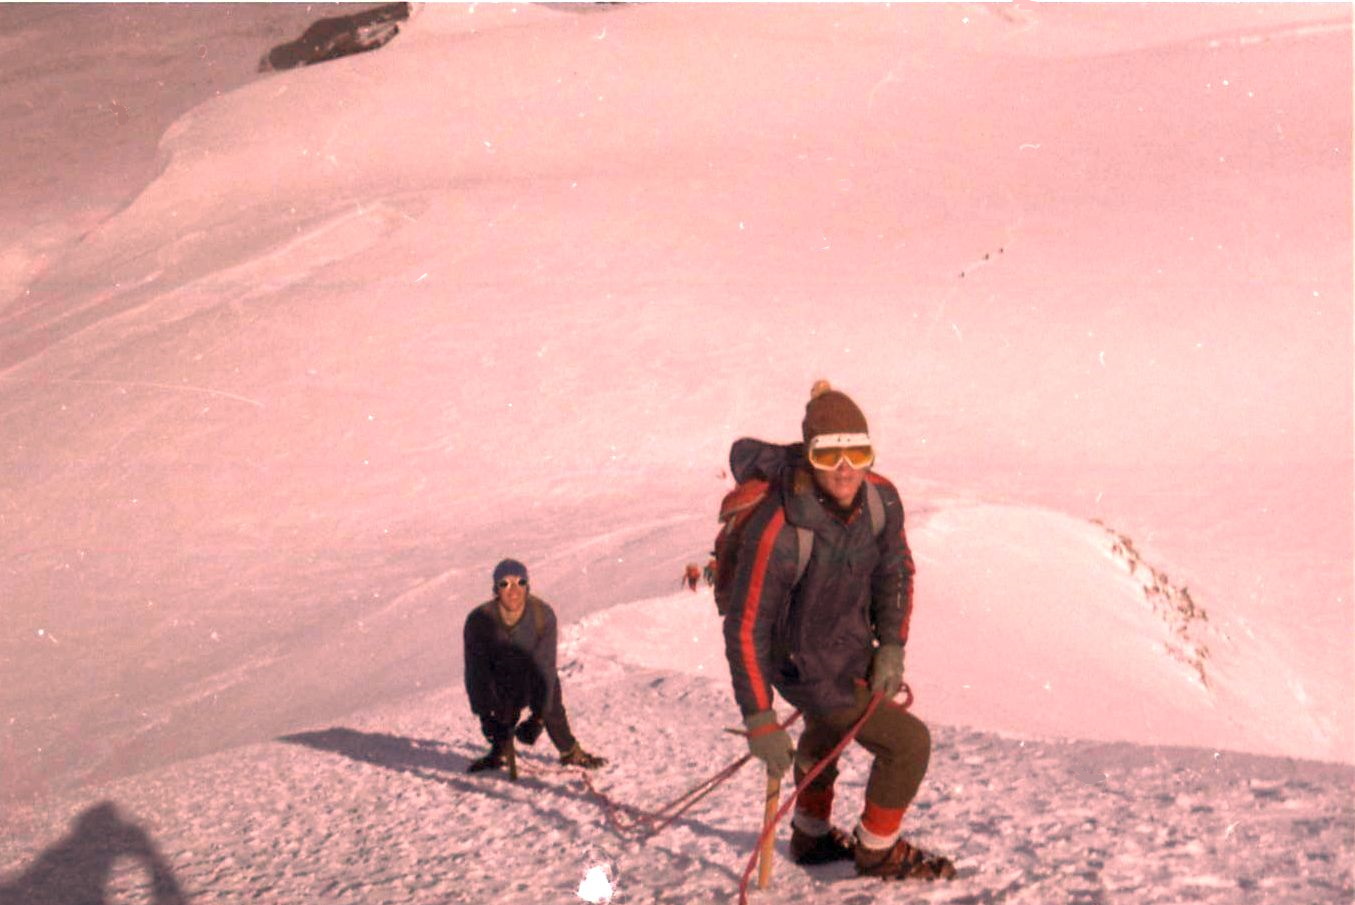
(814,639)
(506,668)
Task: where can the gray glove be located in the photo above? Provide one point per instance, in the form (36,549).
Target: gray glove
(769,743)
(886,669)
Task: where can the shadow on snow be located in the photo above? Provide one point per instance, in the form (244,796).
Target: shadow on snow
(75,869)
(434,761)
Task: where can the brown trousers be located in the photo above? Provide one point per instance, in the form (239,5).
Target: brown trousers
(900,742)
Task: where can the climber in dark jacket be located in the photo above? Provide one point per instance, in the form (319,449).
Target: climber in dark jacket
(510,666)
(830,638)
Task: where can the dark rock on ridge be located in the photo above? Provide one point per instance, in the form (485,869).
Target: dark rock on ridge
(339,36)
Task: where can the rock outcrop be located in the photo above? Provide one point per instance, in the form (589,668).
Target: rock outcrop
(339,36)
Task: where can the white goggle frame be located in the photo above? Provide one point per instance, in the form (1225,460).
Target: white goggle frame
(840,442)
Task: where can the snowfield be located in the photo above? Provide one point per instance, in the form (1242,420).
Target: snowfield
(289,361)
(378,808)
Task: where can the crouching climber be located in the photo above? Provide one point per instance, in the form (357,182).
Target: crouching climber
(510,667)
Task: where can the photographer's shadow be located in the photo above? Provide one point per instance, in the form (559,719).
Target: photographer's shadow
(75,870)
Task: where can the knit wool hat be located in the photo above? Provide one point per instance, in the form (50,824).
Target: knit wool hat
(510,567)
(831,411)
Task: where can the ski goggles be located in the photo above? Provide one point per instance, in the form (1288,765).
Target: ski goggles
(512,581)
(827,451)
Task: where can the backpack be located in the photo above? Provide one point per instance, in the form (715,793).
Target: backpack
(737,505)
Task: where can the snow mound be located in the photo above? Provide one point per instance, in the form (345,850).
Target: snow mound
(1027,622)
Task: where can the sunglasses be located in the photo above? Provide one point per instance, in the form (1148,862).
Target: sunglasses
(827,451)
(513,582)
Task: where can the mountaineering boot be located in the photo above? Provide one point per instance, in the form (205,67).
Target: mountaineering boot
(577,757)
(494,760)
(834,845)
(902,861)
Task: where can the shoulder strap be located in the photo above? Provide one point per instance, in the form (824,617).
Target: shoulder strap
(805,539)
(805,536)
(876,504)
(538,615)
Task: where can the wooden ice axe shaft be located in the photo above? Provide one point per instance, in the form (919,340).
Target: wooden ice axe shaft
(764,868)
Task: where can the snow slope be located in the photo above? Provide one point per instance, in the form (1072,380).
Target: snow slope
(378,808)
(511,285)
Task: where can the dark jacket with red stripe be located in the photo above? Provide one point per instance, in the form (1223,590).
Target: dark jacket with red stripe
(812,640)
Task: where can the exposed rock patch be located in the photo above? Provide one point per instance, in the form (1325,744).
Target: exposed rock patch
(1184,617)
(339,36)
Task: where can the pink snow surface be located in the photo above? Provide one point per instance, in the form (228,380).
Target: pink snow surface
(512,284)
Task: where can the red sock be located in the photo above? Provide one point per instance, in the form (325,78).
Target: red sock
(882,822)
(816,803)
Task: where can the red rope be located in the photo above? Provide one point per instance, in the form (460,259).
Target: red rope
(769,829)
(649,823)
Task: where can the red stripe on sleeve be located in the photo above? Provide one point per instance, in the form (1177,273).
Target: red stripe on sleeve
(751,606)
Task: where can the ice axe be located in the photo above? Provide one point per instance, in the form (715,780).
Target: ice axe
(774,814)
(764,868)
(510,754)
